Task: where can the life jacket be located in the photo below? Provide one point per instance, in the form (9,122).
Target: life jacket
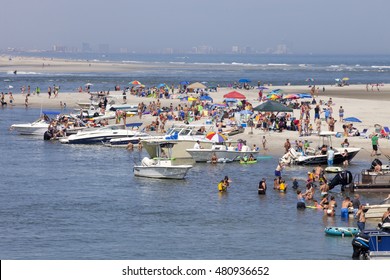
(221,187)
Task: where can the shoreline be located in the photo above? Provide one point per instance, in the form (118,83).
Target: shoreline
(371,112)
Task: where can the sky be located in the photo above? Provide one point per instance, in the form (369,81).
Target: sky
(305,26)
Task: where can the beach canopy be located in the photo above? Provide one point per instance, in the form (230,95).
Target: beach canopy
(352,119)
(197,85)
(235,95)
(272,106)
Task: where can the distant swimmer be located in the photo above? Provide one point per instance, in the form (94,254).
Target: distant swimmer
(15,72)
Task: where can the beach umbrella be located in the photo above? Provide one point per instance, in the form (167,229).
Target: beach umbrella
(291,96)
(244,81)
(273,96)
(246,112)
(352,119)
(88,84)
(272,106)
(192,99)
(197,85)
(304,95)
(309,80)
(345,79)
(206,98)
(262,87)
(184,83)
(234,94)
(135,83)
(216,137)
(162,85)
(9,87)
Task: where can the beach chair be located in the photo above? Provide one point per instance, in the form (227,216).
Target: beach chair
(385,132)
(364,134)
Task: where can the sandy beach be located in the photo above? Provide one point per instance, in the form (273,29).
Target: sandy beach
(370,106)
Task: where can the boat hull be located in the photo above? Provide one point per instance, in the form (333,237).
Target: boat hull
(370,181)
(319,159)
(162,172)
(178,151)
(30,129)
(204,155)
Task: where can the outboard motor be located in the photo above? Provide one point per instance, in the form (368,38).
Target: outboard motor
(343,178)
(47,135)
(360,246)
(375,162)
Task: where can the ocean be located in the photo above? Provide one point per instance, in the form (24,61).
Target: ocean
(214,70)
(62,201)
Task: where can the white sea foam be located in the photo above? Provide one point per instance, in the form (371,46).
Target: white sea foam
(380,66)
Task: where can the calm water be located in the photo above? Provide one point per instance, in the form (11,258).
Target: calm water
(83,202)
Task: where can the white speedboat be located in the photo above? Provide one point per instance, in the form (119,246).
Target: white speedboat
(185,136)
(221,152)
(133,139)
(38,127)
(161,167)
(313,156)
(99,135)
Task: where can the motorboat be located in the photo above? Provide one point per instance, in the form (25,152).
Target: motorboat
(100,135)
(162,166)
(185,136)
(375,211)
(221,151)
(372,244)
(38,127)
(123,142)
(313,157)
(372,179)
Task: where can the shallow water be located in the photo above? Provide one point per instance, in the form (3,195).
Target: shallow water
(82,202)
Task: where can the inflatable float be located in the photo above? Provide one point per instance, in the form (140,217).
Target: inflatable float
(342,231)
(248,161)
(333,169)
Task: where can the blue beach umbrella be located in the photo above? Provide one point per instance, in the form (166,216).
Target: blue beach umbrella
(352,119)
(184,83)
(244,81)
(304,95)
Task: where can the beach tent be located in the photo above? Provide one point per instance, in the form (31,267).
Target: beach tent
(272,106)
(197,85)
(235,95)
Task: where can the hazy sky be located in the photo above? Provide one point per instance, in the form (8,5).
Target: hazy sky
(306,26)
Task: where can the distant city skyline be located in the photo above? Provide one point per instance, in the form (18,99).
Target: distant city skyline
(202,49)
(154,26)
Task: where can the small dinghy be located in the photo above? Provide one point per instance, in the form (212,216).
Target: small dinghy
(342,231)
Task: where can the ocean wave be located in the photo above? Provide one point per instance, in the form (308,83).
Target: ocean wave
(23,73)
(380,66)
(278,64)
